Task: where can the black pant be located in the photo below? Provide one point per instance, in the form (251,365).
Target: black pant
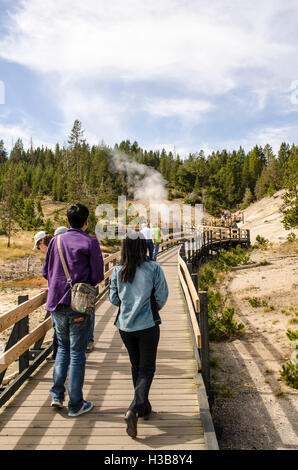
(142,349)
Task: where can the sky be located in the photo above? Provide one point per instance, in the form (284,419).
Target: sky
(184,75)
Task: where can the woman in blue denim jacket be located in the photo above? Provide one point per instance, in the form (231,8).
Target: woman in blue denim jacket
(139,287)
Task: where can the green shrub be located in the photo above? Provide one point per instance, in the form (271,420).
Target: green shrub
(289,372)
(234,257)
(264,263)
(257,302)
(214,363)
(225,326)
(222,325)
(291,237)
(261,242)
(110,241)
(223,390)
(207,278)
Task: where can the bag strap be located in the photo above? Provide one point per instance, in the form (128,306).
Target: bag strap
(63,261)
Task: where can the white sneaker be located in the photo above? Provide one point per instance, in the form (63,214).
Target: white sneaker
(90,347)
(56,403)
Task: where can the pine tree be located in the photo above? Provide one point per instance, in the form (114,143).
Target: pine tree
(10,202)
(248,198)
(74,151)
(270,179)
(290,198)
(28,219)
(283,156)
(17,153)
(3,152)
(256,161)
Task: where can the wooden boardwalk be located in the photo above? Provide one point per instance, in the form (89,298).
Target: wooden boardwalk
(28,422)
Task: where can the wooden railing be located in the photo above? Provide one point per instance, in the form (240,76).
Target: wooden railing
(193,252)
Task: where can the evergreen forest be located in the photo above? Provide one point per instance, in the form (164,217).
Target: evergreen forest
(78,172)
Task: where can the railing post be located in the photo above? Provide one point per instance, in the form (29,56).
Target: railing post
(23,327)
(194,277)
(189,267)
(182,252)
(248,238)
(106,268)
(204,327)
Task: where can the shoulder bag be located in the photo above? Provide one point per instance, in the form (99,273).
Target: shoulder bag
(83,295)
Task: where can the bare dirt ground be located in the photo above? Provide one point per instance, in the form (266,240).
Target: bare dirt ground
(254,409)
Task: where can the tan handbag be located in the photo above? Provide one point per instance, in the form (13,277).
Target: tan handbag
(83,295)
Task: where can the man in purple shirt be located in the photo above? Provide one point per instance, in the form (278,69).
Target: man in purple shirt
(84,260)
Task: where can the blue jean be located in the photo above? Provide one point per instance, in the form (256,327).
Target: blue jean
(72,330)
(91,329)
(155,250)
(55,340)
(150,246)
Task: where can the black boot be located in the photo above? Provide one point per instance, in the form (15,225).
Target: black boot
(131,421)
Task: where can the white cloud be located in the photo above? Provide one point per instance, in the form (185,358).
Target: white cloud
(261,96)
(197,45)
(11,132)
(273,136)
(101,118)
(189,111)
(2,92)
(209,48)
(22,129)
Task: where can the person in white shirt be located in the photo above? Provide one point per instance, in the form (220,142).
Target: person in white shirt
(148,235)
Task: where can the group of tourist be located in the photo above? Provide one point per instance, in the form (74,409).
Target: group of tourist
(137,287)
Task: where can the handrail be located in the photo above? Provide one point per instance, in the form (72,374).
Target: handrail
(197,301)
(190,284)
(11,317)
(187,286)
(23,345)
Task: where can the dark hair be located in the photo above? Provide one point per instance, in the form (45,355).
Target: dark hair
(77,214)
(46,240)
(133,254)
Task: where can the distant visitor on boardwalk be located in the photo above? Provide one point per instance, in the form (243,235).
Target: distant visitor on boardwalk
(157,241)
(139,288)
(148,234)
(84,261)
